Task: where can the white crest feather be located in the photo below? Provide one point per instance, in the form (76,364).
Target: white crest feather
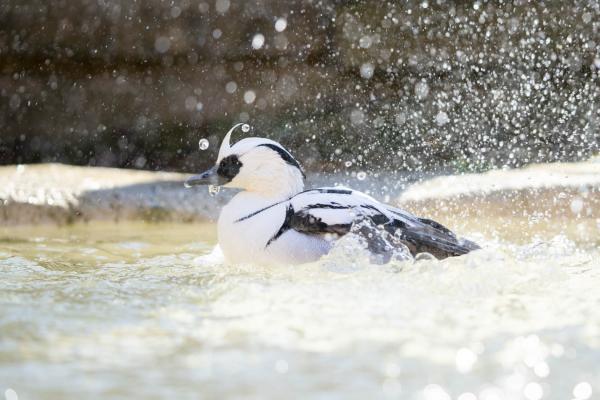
(225,144)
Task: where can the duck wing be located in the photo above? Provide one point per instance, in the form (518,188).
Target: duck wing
(327,211)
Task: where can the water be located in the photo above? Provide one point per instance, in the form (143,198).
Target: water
(138,310)
(203,144)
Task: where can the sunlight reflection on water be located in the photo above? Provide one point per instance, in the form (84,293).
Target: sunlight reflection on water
(137,313)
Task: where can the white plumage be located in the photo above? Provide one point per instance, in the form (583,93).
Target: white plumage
(273,221)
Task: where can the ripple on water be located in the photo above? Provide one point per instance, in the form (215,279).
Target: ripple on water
(505,322)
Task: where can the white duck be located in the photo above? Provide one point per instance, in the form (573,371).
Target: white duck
(273,220)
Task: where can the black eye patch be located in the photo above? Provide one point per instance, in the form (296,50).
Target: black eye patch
(229,167)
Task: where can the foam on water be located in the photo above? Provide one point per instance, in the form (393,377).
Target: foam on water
(505,322)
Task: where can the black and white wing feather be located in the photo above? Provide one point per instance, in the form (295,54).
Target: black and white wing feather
(335,211)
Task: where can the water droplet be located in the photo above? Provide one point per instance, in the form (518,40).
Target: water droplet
(435,392)
(357,117)
(222,6)
(441,118)
(245,128)
(465,359)
(577,205)
(582,390)
(162,44)
(203,144)
(367,70)
(361,175)
(365,42)
(421,90)
(213,190)
(280,24)
(533,391)
(231,87)
(541,369)
(249,96)
(10,394)
(425,257)
(281,366)
(258,41)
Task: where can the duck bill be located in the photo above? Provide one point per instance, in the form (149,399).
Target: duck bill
(210,177)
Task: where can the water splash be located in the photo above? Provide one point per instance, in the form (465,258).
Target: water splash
(491,322)
(203,144)
(214,190)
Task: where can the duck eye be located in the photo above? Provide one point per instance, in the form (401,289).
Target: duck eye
(229,167)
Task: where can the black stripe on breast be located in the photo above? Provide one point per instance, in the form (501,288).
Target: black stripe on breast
(331,205)
(287,157)
(289,215)
(259,211)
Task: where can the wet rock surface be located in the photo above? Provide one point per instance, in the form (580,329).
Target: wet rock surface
(57,193)
(567,194)
(62,194)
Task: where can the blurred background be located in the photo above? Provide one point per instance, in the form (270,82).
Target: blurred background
(413,85)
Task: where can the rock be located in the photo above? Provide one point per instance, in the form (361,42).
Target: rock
(63,194)
(31,194)
(562,196)
(42,193)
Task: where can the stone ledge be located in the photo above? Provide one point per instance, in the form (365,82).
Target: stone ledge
(559,190)
(57,193)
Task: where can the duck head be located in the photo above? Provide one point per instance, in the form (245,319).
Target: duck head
(257,165)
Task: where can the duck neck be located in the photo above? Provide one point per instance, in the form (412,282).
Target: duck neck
(277,188)
(277,192)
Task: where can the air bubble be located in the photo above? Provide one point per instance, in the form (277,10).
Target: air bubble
(361,175)
(203,144)
(245,128)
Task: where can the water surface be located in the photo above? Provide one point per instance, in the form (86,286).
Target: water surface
(103,311)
